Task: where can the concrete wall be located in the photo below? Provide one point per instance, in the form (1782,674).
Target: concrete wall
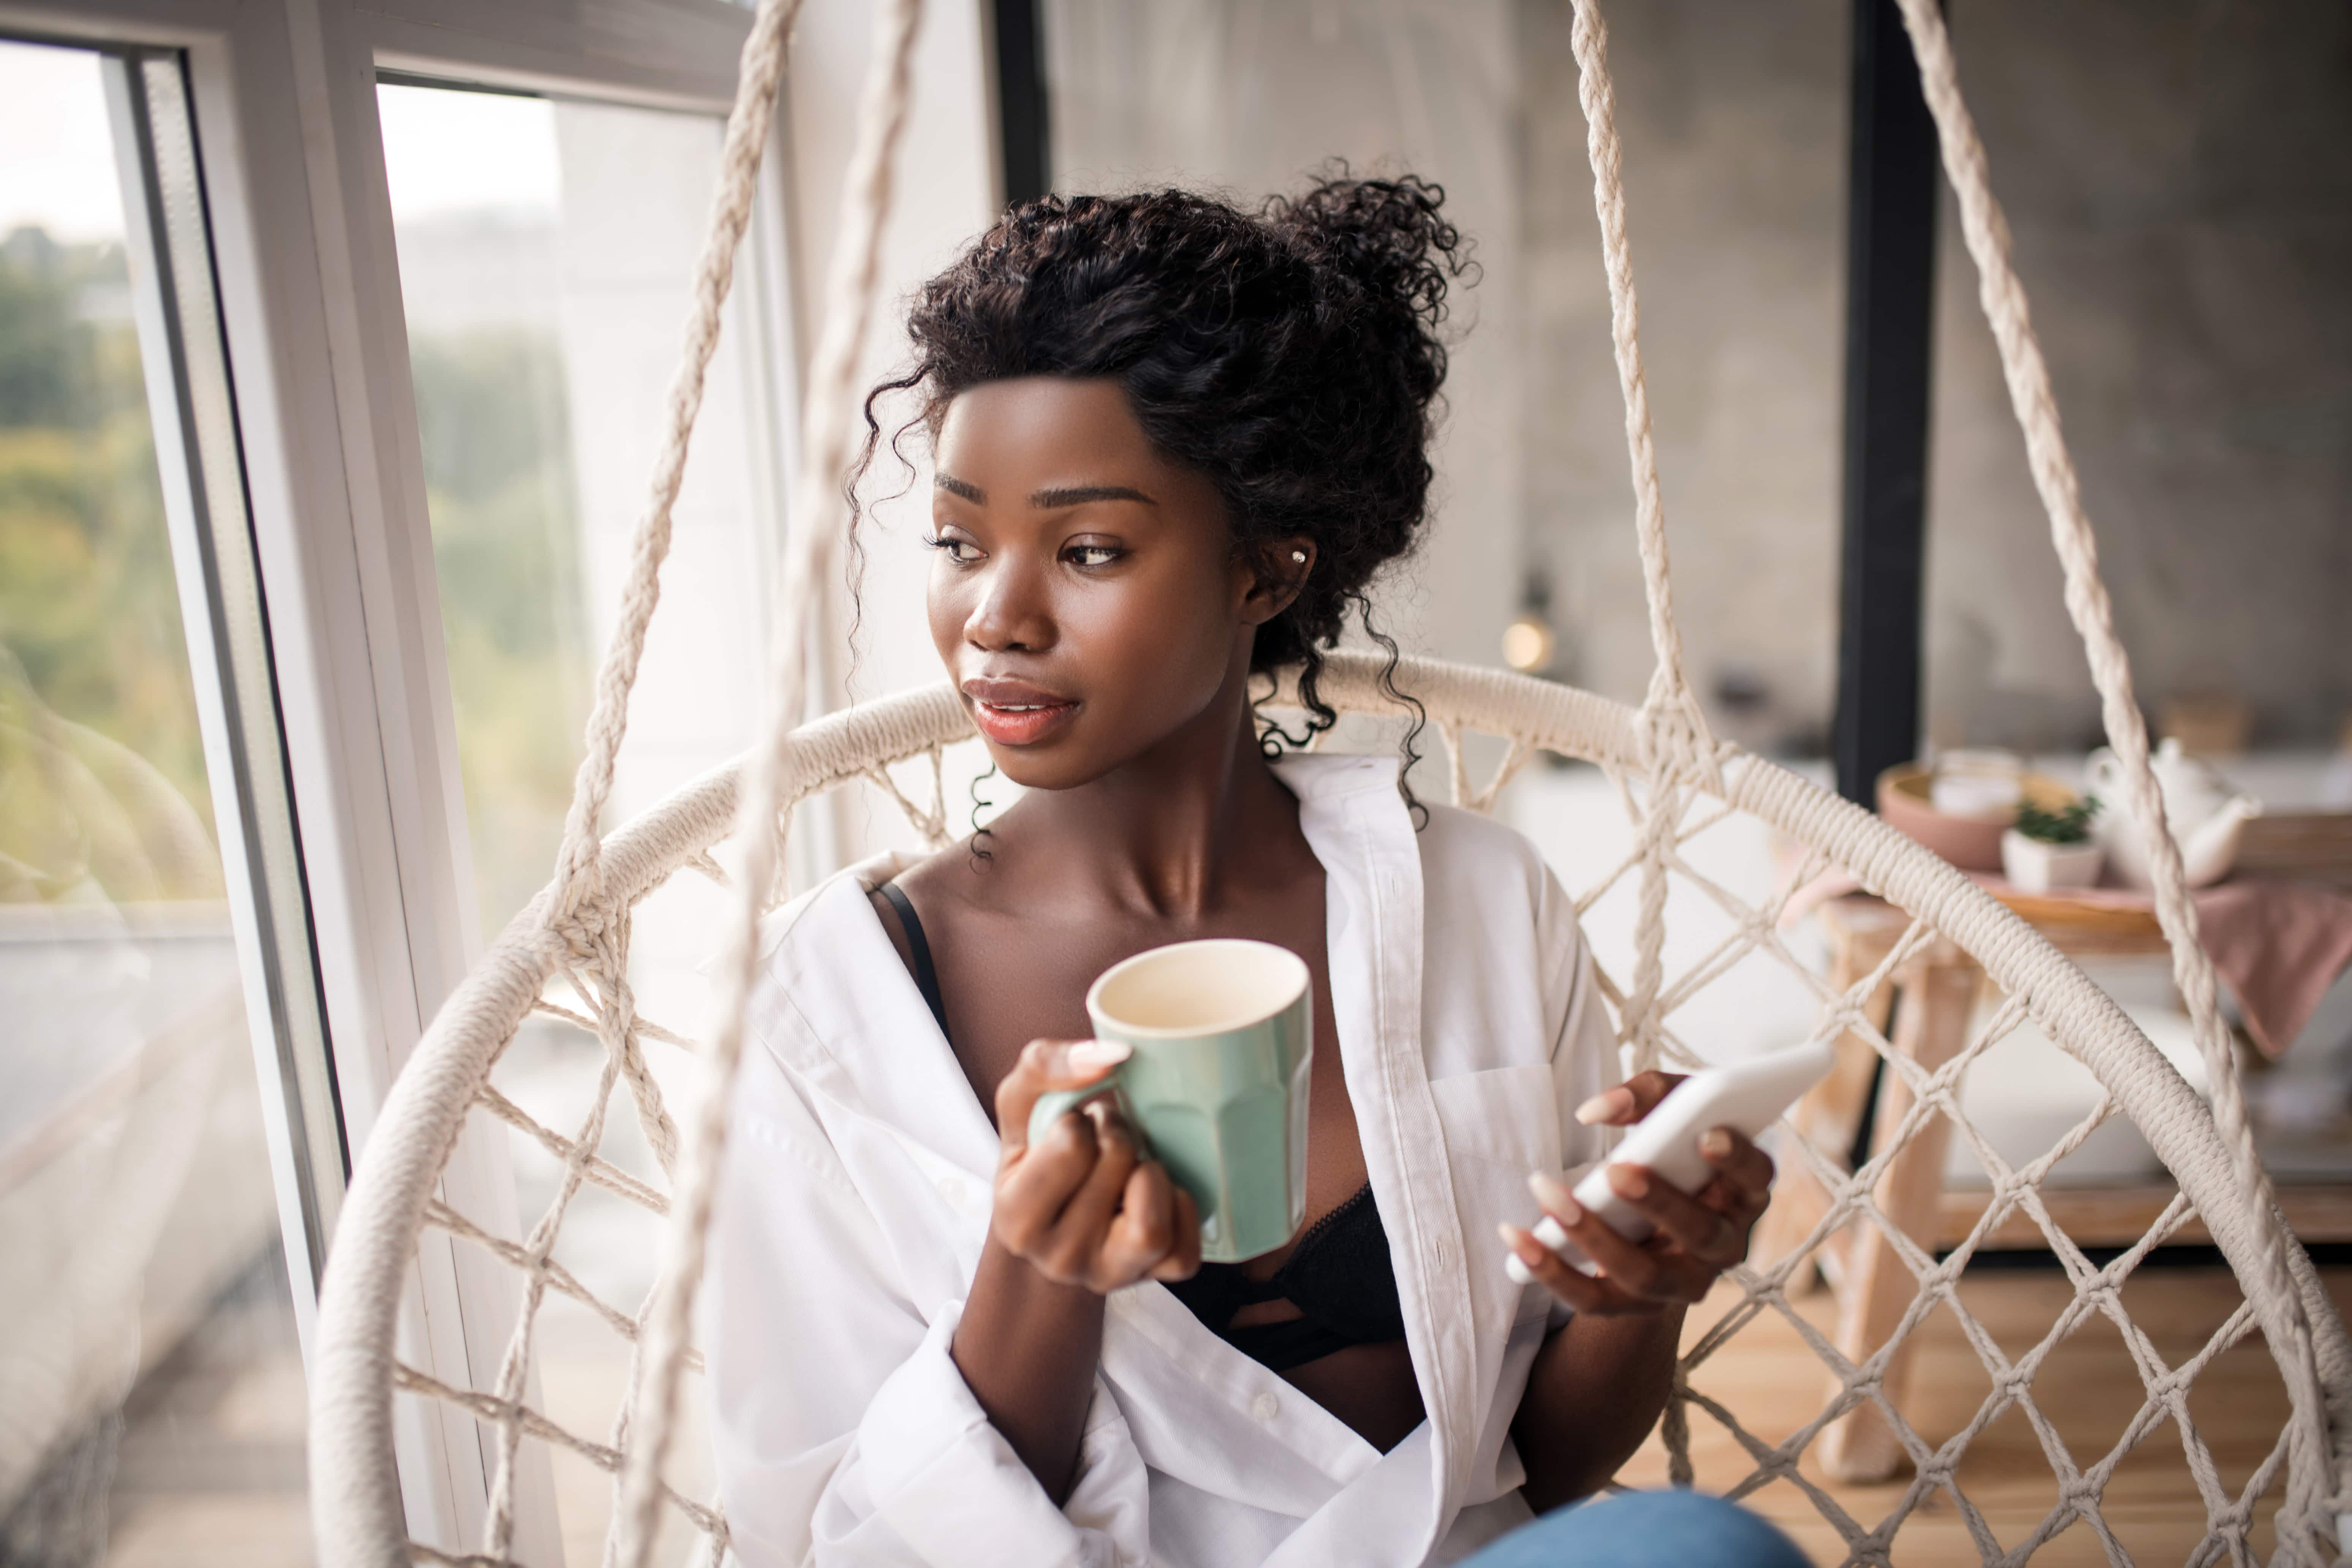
(2179,177)
(1733,120)
(2179,181)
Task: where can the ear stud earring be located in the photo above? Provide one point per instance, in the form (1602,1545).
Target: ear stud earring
(1300,557)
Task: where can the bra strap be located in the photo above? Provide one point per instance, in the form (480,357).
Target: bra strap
(919,949)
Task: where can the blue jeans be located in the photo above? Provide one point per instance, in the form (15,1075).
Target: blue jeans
(1643,1529)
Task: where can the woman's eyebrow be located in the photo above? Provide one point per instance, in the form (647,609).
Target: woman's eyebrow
(1078,495)
(956,486)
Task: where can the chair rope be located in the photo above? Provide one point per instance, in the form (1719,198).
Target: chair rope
(813,533)
(1676,780)
(1670,705)
(2035,405)
(1673,732)
(758,77)
(393,1193)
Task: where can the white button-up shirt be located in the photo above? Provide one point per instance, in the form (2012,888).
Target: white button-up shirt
(856,1200)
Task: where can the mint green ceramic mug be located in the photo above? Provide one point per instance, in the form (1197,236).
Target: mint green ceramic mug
(1223,1035)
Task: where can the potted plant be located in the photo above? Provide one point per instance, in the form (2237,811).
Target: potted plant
(2051,848)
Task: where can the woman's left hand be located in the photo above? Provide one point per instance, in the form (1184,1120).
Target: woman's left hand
(1699,1234)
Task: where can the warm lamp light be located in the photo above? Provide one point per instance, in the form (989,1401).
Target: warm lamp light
(1528,644)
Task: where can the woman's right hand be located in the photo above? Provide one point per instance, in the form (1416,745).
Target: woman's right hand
(1081,1205)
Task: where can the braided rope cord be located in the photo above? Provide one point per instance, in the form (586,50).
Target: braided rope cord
(758,77)
(1670,701)
(1675,746)
(815,530)
(2035,405)
(1671,729)
(604,947)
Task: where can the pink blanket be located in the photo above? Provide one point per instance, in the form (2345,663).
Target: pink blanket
(2279,946)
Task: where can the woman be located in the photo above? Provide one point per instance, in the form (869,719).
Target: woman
(1174,444)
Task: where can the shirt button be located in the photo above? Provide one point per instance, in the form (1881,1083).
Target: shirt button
(1263,1406)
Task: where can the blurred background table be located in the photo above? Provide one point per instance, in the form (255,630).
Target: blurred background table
(1930,999)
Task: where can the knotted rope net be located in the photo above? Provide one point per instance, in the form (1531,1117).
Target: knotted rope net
(1676,784)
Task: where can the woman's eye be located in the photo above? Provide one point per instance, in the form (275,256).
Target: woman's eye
(961,550)
(1092,554)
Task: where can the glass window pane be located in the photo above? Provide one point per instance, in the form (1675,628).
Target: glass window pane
(476,195)
(151,1385)
(546,249)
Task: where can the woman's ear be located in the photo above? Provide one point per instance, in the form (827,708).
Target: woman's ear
(1279,570)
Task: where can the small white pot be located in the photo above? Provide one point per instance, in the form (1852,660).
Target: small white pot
(2033,867)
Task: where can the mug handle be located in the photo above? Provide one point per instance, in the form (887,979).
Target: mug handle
(1052,1104)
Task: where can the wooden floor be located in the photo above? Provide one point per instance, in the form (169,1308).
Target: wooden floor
(2088,1388)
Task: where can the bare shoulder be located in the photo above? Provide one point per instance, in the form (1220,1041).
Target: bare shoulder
(940,887)
(945,879)
(988,875)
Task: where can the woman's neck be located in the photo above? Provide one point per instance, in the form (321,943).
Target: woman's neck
(1172,832)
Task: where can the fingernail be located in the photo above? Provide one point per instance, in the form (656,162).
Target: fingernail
(1630,1181)
(1601,1108)
(1557,1200)
(1518,1241)
(1098,1056)
(1715,1144)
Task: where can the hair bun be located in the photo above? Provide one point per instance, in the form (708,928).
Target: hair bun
(1386,237)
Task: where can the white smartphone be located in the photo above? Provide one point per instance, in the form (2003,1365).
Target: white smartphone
(1748,1098)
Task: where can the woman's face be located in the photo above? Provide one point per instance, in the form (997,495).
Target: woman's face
(1084,595)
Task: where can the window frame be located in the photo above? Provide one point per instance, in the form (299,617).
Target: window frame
(282,98)
(190,402)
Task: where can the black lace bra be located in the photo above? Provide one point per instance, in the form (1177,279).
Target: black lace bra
(1339,1276)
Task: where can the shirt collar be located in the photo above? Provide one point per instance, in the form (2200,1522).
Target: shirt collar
(845,1014)
(1358,826)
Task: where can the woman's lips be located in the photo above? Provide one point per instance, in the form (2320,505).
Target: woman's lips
(1014,713)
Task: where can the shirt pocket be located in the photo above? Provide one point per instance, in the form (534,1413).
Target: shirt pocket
(1500,1124)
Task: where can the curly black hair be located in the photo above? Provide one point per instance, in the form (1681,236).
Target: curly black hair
(1291,355)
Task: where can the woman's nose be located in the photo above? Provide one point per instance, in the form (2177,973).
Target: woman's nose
(1013,612)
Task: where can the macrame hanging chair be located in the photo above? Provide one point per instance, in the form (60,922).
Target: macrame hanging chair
(1675,779)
